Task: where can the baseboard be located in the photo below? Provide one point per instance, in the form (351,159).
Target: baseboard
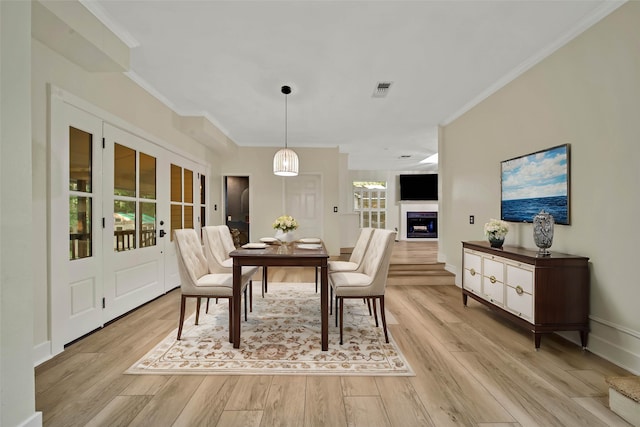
(453,270)
(42,353)
(615,343)
(34,420)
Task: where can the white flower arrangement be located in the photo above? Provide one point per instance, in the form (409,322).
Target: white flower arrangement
(496,229)
(285,223)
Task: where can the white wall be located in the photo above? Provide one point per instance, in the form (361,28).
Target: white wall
(17,390)
(586,94)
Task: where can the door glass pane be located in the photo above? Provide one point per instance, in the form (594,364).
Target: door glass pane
(176,218)
(188,186)
(147,176)
(203,222)
(124,229)
(124,171)
(176,184)
(80,158)
(80,240)
(374,219)
(147,224)
(188,217)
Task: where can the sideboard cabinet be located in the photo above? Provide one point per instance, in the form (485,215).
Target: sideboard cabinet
(541,293)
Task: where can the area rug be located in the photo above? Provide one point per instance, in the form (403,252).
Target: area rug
(281,337)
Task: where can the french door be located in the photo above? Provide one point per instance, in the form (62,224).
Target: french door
(115,199)
(134,202)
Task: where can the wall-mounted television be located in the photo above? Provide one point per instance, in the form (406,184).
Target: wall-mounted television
(419,187)
(534,182)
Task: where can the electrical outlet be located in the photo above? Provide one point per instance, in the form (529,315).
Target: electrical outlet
(472,219)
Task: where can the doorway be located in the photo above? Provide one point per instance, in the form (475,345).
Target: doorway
(236,190)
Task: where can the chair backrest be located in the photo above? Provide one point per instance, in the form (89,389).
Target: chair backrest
(192,264)
(361,246)
(214,248)
(377,259)
(227,239)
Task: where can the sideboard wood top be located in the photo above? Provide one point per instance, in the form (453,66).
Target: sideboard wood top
(531,255)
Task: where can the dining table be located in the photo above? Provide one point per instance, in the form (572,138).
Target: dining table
(294,254)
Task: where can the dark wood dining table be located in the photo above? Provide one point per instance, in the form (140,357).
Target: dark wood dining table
(291,255)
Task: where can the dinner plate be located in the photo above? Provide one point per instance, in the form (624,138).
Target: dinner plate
(309,240)
(268,240)
(254,246)
(310,246)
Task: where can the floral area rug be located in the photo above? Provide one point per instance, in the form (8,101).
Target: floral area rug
(281,336)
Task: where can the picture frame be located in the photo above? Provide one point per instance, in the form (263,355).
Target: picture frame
(534,182)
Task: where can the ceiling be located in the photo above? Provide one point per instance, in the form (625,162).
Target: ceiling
(227,60)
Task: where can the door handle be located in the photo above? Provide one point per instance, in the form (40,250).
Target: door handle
(162,233)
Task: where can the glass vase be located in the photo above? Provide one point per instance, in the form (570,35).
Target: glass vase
(543,232)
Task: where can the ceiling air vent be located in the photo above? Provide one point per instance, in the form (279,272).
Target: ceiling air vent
(381,89)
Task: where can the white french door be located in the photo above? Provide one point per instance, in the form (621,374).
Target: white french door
(134,202)
(115,197)
(75,245)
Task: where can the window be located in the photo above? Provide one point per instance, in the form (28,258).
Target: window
(370,201)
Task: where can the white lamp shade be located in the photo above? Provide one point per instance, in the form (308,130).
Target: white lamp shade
(285,163)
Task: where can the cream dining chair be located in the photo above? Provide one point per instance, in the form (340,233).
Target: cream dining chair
(370,282)
(355,260)
(218,244)
(195,279)
(354,263)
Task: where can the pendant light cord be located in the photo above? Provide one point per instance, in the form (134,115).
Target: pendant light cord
(285,121)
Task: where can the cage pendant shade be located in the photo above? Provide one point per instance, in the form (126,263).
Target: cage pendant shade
(285,163)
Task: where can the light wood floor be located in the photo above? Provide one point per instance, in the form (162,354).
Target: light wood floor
(472,369)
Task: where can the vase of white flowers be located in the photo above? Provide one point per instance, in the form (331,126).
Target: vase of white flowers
(285,225)
(495,231)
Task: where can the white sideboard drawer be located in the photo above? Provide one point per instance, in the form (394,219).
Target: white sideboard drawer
(493,269)
(472,262)
(518,276)
(472,281)
(520,303)
(493,291)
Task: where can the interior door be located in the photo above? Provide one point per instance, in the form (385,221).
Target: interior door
(303,201)
(76,227)
(132,201)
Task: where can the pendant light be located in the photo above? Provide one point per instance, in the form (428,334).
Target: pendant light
(285,162)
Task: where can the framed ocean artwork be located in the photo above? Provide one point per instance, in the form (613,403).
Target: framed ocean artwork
(535,182)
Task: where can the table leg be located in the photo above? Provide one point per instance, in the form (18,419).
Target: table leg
(235,311)
(324,306)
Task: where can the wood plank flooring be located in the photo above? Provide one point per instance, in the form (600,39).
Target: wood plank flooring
(472,369)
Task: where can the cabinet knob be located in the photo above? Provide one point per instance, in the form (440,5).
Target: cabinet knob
(473,272)
(493,279)
(519,290)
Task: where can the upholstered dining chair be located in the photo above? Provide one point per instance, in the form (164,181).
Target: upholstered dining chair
(371,281)
(195,279)
(355,260)
(218,244)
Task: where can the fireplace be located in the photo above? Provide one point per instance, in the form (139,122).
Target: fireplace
(422,225)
